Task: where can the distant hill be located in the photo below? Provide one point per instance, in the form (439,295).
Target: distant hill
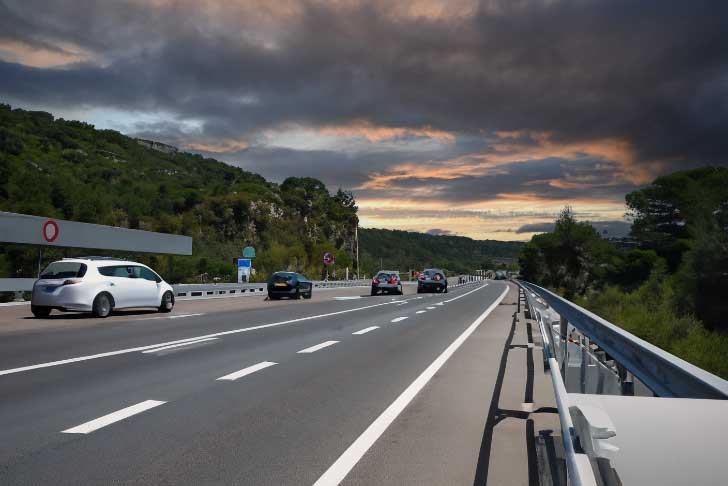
(405,250)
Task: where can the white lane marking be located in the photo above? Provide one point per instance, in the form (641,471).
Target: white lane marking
(440,303)
(466,293)
(351,456)
(403,303)
(169,317)
(313,349)
(187,315)
(113,417)
(351,297)
(246,371)
(432,308)
(420,312)
(419,297)
(151,346)
(172,346)
(365,330)
(397,319)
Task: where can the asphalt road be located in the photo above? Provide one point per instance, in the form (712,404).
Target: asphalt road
(272,394)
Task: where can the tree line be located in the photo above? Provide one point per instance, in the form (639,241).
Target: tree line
(669,286)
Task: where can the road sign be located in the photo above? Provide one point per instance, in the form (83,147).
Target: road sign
(244,267)
(248,252)
(328,258)
(50,231)
(36,230)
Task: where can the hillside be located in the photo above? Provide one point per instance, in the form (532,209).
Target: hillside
(404,250)
(69,170)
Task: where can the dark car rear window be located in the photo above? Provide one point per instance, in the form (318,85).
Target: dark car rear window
(283,277)
(64,270)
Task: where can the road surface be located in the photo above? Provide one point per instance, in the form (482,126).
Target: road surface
(343,389)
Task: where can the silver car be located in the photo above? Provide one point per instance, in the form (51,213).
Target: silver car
(387,281)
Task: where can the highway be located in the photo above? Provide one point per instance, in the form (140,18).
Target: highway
(343,389)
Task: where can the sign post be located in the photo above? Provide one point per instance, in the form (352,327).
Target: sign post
(328,260)
(244,266)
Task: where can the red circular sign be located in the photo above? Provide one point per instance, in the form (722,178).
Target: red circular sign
(50,231)
(328,258)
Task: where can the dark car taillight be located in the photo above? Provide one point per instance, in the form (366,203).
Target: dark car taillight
(393,281)
(375,281)
(72,281)
(437,277)
(422,276)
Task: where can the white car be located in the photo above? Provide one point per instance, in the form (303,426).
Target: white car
(99,285)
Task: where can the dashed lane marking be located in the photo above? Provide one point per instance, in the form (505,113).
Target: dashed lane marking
(247,371)
(113,417)
(313,349)
(365,330)
(398,319)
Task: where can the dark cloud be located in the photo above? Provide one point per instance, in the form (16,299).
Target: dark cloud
(654,73)
(439,232)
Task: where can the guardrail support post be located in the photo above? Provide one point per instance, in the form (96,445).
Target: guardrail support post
(18,296)
(563,329)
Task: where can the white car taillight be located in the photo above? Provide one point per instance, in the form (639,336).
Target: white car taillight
(71,281)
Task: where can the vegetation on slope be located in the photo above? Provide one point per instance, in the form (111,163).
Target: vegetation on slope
(69,170)
(670,290)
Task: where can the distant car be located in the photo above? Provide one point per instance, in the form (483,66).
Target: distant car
(99,285)
(289,284)
(387,281)
(432,280)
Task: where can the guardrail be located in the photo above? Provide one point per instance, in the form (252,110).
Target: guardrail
(207,291)
(663,373)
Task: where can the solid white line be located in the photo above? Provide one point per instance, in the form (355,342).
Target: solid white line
(113,417)
(186,315)
(171,346)
(364,331)
(351,297)
(246,371)
(420,312)
(313,349)
(397,319)
(440,303)
(466,293)
(351,456)
(151,346)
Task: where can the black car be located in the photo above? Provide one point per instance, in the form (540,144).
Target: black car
(432,280)
(289,284)
(387,281)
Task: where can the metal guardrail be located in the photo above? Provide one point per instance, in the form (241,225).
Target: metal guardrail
(190,291)
(663,373)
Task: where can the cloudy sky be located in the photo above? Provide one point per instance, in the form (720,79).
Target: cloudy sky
(456,117)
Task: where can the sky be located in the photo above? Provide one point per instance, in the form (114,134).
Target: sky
(475,118)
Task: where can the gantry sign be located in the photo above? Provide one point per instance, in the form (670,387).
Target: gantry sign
(36,230)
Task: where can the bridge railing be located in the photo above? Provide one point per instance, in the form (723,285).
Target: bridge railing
(664,374)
